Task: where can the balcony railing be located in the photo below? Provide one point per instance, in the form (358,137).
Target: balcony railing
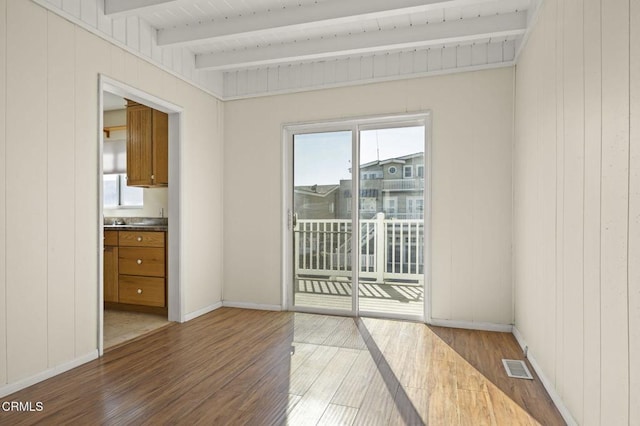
(411,215)
(402,184)
(390,249)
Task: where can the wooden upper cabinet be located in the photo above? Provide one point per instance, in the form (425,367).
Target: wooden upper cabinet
(147,146)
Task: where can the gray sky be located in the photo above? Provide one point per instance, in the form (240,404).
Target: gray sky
(325,158)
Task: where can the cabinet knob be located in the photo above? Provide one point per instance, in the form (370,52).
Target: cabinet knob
(139,238)
(139,291)
(153,176)
(139,261)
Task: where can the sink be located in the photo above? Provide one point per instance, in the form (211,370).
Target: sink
(135,222)
(149,222)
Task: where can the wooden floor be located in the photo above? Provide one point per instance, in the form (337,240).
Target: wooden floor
(122,326)
(236,366)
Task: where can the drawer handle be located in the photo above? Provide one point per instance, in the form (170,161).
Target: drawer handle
(139,291)
(139,239)
(139,261)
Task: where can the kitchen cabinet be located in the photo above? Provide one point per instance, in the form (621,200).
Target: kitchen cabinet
(147,146)
(146,261)
(141,268)
(110,266)
(146,291)
(136,270)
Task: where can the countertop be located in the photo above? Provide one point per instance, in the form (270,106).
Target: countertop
(135,224)
(135,227)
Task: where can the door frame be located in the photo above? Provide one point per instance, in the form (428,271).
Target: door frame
(355,125)
(174,287)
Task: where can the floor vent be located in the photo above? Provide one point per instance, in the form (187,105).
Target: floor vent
(517,369)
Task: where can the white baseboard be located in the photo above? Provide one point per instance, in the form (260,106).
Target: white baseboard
(47,374)
(548,385)
(471,325)
(199,312)
(244,305)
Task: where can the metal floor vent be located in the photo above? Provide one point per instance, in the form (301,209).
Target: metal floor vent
(517,369)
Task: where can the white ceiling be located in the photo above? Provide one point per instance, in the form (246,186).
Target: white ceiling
(246,43)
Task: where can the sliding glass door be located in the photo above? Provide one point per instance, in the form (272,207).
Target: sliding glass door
(391,221)
(371,215)
(322,221)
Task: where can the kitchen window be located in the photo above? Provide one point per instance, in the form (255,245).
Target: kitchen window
(116,193)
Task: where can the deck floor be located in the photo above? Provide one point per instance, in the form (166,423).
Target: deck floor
(243,367)
(387,298)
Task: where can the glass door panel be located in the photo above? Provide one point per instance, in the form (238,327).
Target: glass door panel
(391,221)
(322,221)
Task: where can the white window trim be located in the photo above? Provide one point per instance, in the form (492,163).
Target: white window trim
(404,171)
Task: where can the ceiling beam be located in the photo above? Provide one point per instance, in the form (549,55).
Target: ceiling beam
(330,12)
(458,31)
(115,8)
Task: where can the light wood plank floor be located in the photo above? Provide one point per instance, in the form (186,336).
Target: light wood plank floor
(236,366)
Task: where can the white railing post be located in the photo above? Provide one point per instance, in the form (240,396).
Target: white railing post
(381,242)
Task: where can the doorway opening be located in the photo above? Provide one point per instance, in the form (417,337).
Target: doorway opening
(139,210)
(357,193)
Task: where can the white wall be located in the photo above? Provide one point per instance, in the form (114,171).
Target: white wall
(472,133)
(3,192)
(154,199)
(138,37)
(577,205)
(49,187)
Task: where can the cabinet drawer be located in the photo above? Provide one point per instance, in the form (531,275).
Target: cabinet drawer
(147,291)
(110,238)
(141,239)
(141,261)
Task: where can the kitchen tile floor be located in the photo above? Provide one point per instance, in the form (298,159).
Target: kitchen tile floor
(120,326)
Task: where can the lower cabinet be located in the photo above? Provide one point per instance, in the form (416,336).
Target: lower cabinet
(147,291)
(135,269)
(141,261)
(111,266)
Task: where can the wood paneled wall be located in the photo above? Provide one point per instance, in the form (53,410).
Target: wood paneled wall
(3,186)
(49,187)
(26,196)
(137,35)
(634,213)
(577,205)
